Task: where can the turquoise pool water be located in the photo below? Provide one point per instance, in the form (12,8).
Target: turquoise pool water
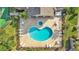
(40,34)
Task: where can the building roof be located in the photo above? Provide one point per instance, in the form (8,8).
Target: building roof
(33,11)
(40,11)
(46,11)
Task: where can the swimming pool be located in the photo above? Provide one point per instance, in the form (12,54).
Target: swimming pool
(40,34)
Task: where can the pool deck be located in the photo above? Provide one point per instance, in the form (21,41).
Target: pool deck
(54,41)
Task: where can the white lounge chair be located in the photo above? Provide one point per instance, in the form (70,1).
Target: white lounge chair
(48,45)
(22,44)
(21,30)
(21,35)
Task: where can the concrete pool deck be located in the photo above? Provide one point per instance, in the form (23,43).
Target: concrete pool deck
(26,41)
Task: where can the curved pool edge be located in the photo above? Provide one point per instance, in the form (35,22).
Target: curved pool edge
(40,39)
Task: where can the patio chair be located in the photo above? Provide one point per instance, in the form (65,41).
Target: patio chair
(48,45)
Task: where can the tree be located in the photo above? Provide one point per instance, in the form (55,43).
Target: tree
(70,20)
(24,15)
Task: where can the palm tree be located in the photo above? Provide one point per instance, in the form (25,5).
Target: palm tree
(70,23)
(24,15)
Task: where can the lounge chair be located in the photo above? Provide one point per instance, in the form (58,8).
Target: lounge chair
(48,45)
